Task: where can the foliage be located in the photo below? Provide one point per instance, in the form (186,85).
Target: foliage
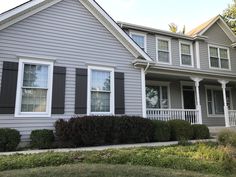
(227,137)
(9,139)
(200,132)
(229,16)
(102,130)
(42,139)
(180,130)
(161,131)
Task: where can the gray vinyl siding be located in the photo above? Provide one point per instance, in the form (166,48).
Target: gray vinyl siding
(175,95)
(151,46)
(68,32)
(175,52)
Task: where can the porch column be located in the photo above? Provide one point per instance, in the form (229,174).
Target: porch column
(226,109)
(198,106)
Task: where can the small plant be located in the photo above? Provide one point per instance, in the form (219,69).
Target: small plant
(200,132)
(161,131)
(184,142)
(227,137)
(42,139)
(9,139)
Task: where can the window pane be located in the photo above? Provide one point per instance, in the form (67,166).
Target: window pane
(215,62)
(224,63)
(33,100)
(164,101)
(163,56)
(223,53)
(139,40)
(218,102)
(213,52)
(163,45)
(35,76)
(100,80)
(153,97)
(186,60)
(228,99)
(210,108)
(100,102)
(209,96)
(185,49)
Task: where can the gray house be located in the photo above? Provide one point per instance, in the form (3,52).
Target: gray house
(60,58)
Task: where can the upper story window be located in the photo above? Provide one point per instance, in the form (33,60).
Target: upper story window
(101,90)
(34,88)
(140,39)
(163,50)
(186,56)
(219,57)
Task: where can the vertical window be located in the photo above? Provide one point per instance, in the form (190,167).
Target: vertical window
(163,50)
(140,39)
(186,54)
(101,90)
(219,57)
(157,97)
(215,101)
(34,88)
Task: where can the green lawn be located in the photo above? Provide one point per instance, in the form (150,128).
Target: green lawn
(101,170)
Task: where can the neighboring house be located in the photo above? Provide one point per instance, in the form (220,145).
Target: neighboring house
(60,58)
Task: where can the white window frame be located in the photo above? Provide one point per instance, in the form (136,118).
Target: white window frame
(160,84)
(112,94)
(169,46)
(218,49)
(191,53)
(140,34)
(212,88)
(22,62)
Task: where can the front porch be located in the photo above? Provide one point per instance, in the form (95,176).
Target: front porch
(197,100)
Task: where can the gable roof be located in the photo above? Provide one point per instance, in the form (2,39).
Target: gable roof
(201,29)
(31,7)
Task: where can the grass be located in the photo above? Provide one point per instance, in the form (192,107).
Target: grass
(102,170)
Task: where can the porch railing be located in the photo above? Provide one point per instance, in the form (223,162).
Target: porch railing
(190,115)
(232,118)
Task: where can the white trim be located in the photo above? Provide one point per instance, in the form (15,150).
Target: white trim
(143,85)
(169,47)
(218,49)
(112,94)
(197,50)
(191,53)
(138,33)
(23,61)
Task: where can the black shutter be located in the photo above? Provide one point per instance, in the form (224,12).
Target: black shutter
(58,91)
(8,89)
(81,91)
(119,93)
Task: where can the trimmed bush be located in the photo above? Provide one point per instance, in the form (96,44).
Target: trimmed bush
(200,132)
(161,131)
(9,139)
(180,130)
(227,137)
(103,130)
(42,139)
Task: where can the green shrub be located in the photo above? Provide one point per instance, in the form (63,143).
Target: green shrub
(227,137)
(42,139)
(9,139)
(180,130)
(161,131)
(102,130)
(200,132)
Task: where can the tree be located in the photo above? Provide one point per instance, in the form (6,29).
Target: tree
(229,16)
(174,28)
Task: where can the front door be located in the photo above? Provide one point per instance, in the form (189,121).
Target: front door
(188,97)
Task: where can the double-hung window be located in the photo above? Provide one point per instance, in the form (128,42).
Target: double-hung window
(157,97)
(34,88)
(219,57)
(215,103)
(140,39)
(186,56)
(101,90)
(163,50)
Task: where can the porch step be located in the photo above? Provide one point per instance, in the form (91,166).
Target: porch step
(214,131)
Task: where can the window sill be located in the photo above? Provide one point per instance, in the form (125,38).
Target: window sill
(32,115)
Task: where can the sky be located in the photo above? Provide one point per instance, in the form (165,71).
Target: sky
(154,13)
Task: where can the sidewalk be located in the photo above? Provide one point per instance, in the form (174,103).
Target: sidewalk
(99,148)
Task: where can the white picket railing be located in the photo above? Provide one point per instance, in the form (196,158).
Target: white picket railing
(232,118)
(190,115)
